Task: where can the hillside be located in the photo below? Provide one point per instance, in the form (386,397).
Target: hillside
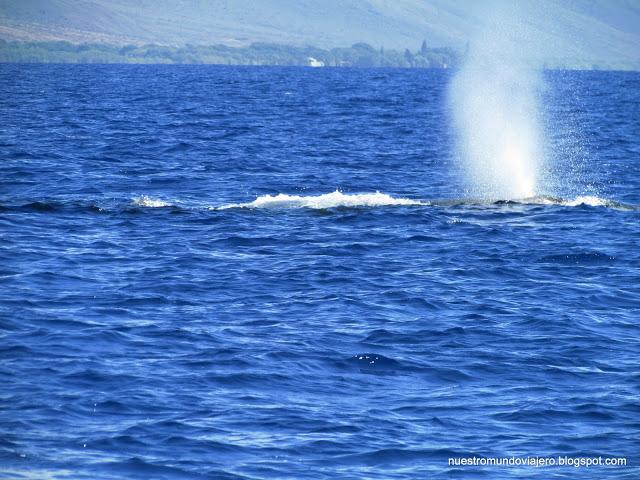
(579,32)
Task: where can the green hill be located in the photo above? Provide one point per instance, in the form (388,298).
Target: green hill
(570,32)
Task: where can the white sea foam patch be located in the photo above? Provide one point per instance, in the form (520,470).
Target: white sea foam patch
(588,200)
(328,200)
(378,199)
(145,201)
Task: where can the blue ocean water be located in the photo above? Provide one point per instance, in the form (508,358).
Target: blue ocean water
(243,273)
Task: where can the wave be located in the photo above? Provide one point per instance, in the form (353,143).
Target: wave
(588,200)
(581,200)
(378,199)
(149,202)
(327,200)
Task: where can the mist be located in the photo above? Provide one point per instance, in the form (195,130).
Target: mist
(495,105)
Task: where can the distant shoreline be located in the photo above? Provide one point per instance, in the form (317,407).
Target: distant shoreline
(256,54)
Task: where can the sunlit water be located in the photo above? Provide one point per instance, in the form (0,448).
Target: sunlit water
(218,272)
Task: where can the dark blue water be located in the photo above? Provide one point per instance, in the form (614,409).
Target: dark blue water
(158,324)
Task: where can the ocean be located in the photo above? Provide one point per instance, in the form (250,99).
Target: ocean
(260,272)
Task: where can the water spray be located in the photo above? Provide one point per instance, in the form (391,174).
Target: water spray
(496,115)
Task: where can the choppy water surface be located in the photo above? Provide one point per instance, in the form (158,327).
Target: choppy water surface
(218,272)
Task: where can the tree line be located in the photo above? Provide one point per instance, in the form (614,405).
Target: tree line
(358,55)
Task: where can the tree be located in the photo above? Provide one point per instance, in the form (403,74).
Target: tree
(423,49)
(408,56)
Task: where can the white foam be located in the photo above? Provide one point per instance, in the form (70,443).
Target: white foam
(378,199)
(149,202)
(589,200)
(328,200)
